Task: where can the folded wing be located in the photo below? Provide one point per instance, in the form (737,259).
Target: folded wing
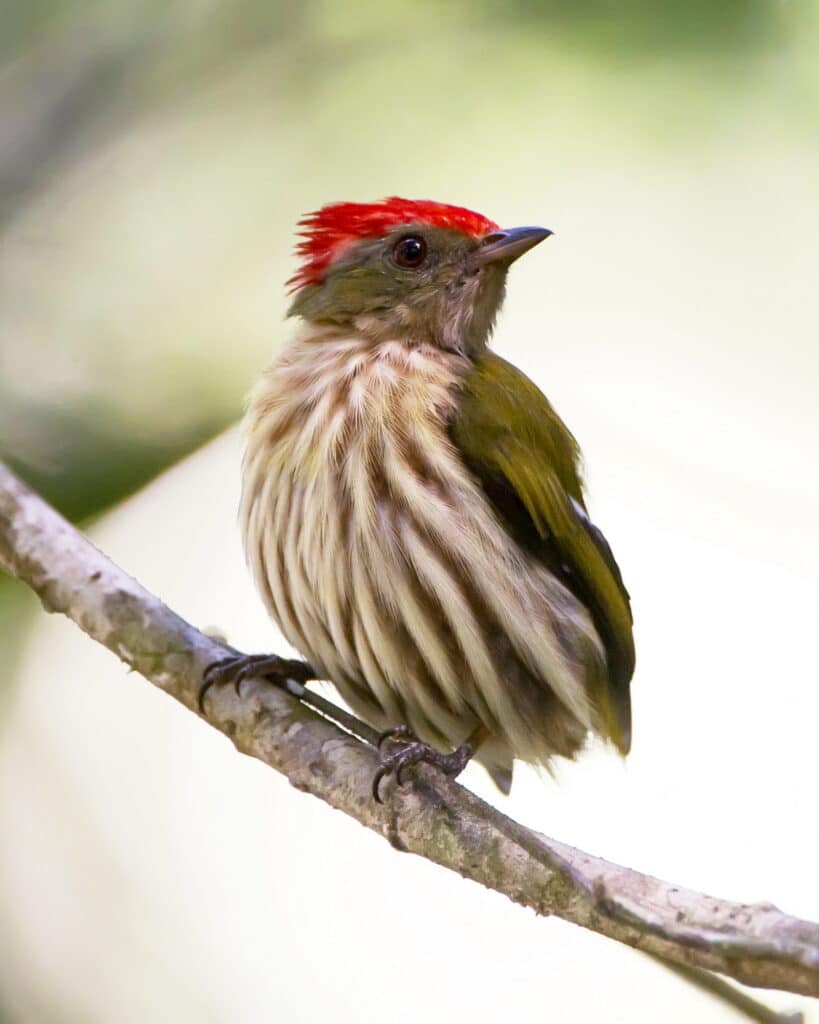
(527,462)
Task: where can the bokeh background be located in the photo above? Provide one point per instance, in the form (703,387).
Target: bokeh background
(154,158)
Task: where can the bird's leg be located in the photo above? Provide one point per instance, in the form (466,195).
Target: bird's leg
(413,751)
(291,675)
(238,667)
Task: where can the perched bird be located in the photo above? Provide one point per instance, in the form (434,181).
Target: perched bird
(412,504)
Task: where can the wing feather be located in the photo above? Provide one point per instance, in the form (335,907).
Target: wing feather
(527,461)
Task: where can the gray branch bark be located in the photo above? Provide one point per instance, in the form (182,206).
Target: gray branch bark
(756,944)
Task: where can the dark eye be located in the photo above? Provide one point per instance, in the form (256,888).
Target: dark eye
(410,251)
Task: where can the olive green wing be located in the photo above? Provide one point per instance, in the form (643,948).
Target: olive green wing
(527,462)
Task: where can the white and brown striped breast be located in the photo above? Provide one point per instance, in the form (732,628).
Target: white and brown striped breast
(382,562)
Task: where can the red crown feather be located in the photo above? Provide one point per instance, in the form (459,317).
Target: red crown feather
(330,230)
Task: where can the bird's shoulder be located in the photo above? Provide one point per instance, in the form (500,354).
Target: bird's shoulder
(501,410)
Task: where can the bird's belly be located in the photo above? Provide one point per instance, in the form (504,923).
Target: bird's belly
(384,564)
(404,627)
(344,594)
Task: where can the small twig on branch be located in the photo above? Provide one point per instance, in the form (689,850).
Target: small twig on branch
(433,817)
(725,992)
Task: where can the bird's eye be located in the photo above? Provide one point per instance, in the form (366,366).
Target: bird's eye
(410,251)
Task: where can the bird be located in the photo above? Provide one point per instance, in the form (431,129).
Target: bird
(412,505)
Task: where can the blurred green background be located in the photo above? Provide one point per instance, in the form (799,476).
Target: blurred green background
(155,157)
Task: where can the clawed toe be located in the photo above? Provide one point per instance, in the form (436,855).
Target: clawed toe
(214,675)
(228,670)
(412,752)
(238,667)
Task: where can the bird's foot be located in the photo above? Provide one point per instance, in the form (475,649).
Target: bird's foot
(238,667)
(412,751)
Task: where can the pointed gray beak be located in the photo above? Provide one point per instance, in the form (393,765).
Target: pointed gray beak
(505,246)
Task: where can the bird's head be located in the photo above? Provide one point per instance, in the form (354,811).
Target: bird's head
(404,268)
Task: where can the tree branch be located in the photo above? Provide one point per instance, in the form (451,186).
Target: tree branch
(756,944)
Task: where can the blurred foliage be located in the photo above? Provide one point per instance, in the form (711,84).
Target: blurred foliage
(95,459)
(16,605)
(658,27)
(76,74)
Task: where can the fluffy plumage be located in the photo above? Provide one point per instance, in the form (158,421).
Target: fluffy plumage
(426,550)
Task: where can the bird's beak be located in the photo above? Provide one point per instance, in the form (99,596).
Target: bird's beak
(505,246)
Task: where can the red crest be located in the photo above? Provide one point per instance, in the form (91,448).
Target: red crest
(332,229)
